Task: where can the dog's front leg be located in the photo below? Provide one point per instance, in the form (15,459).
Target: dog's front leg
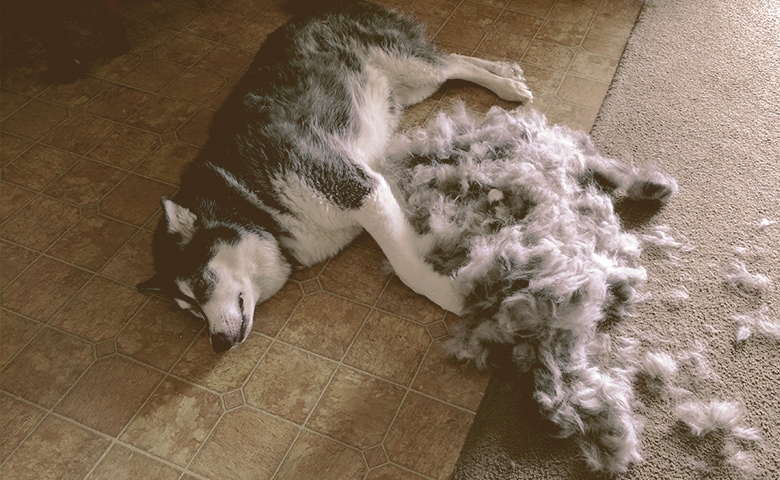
(384,220)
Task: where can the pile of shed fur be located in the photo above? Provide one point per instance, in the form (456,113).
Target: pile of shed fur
(522,216)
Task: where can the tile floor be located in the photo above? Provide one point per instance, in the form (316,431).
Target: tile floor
(344,375)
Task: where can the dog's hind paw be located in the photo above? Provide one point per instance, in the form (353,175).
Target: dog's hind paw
(515,91)
(652,185)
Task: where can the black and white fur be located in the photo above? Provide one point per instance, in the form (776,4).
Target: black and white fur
(288,173)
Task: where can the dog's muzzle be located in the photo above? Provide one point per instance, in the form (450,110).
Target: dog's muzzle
(221,342)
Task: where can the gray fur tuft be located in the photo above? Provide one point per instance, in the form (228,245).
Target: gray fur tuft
(524,220)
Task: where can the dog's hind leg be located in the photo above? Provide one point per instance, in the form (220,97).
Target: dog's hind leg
(414,79)
(504,79)
(644,183)
(383,218)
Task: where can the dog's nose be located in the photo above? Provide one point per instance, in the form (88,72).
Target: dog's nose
(221,343)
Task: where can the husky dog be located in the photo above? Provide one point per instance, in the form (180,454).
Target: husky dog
(288,173)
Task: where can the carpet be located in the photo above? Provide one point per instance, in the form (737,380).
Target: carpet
(697,94)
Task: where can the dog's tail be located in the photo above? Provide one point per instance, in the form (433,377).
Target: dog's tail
(310,6)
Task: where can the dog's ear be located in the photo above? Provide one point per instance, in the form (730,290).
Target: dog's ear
(179,220)
(153,285)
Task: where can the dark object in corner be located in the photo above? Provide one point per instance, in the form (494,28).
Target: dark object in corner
(65,66)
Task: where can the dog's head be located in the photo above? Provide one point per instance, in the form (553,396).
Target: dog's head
(218,272)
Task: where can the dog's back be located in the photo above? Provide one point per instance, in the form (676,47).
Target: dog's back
(304,112)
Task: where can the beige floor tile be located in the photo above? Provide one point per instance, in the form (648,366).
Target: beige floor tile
(475,97)
(249,36)
(476,13)
(175,422)
(168,162)
(562,33)
(162,115)
(135,199)
(195,85)
(99,311)
(13,146)
(392,472)
(125,147)
(375,456)
(614,23)
(54,284)
(583,92)
(272,315)
(118,102)
(604,43)
(211,26)
(518,24)
(595,67)
(35,119)
(314,456)
(86,182)
(438,8)
(423,438)
(184,49)
(356,409)
(17,332)
(40,222)
(246,445)
(450,381)
(47,367)
(15,260)
(92,242)
(114,68)
(119,400)
(225,60)
(389,347)
(548,55)
(195,130)
(355,273)
(540,8)
(221,373)
(12,199)
(133,263)
(288,382)
(461,34)
(56,450)
(324,324)
(572,12)
(152,75)
(16,423)
(400,300)
(503,45)
(93,129)
(574,116)
(122,463)
(74,94)
(542,81)
(159,334)
(627,8)
(12,101)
